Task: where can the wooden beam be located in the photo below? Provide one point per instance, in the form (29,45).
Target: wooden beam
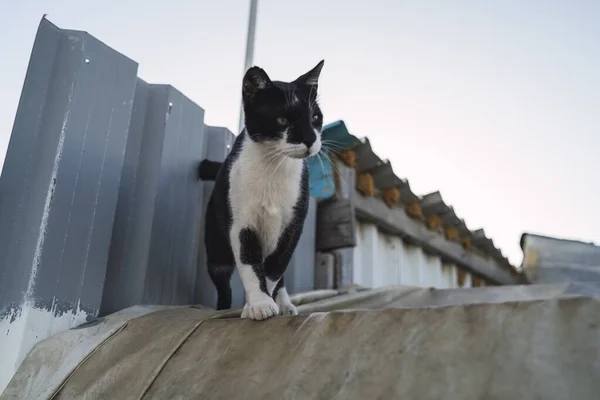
(397,222)
(336,222)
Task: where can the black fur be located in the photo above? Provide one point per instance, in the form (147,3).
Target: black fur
(208,170)
(251,254)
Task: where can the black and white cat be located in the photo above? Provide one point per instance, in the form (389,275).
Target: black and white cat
(260,199)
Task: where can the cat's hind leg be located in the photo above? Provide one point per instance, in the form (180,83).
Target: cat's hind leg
(221,277)
(249,260)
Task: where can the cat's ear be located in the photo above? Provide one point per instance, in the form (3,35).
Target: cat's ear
(311,78)
(255,79)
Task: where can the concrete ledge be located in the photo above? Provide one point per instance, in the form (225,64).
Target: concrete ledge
(504,350)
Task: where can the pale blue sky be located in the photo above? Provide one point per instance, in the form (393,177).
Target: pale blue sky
(494,103)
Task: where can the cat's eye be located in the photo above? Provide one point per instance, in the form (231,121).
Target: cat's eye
(283,121)
(315,117)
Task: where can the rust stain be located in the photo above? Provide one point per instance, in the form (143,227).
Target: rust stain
(434,222)
(365,184)
(414,209)
(391,197)
(466,243)
(451,233)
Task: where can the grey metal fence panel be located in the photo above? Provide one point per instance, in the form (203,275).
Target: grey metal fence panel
(171,265)
(300,273)
(155,235)
(100,204)
(27,169)
(59,186)
(126,274)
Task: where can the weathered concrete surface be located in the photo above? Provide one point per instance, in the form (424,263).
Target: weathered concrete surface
(412,297)
(547,349)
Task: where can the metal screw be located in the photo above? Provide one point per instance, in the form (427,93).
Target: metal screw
(87,60)
(228,146)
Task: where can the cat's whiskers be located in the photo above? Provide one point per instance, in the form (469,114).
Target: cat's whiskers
(322,154)
(321,161)
(277,155)
(333,144)
(283,159)
(334,168)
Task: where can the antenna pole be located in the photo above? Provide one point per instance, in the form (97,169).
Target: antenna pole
(249,51)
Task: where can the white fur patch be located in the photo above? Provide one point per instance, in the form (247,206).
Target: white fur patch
(264,188)
(261,309)
(316,146)
(271,285)
(258,305)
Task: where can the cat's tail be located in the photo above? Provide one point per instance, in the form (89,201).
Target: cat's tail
(208,170)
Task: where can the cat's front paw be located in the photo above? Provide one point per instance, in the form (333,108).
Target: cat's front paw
(285,303)
(260,309)
(287,308)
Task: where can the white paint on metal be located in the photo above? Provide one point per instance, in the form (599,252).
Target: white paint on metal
(37,255)
(23,328)
(63,352)
(26,324)
(468,281)
(381,259)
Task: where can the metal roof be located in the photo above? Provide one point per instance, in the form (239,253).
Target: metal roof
(551,260)
(384,177)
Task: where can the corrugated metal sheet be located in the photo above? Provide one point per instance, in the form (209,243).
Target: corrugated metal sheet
(59,188)
(381,260)
(100,203)
(552,260)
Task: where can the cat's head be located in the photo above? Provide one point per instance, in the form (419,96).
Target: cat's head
(283,116)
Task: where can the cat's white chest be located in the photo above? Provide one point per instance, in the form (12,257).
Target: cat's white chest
(263,194)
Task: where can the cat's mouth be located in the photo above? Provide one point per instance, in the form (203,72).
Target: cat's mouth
(297,152)
(300,156)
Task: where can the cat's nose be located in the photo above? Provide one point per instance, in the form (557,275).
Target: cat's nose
(309,142)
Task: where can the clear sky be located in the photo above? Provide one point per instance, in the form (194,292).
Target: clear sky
(494,103)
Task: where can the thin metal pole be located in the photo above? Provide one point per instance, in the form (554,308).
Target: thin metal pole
(249,50)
